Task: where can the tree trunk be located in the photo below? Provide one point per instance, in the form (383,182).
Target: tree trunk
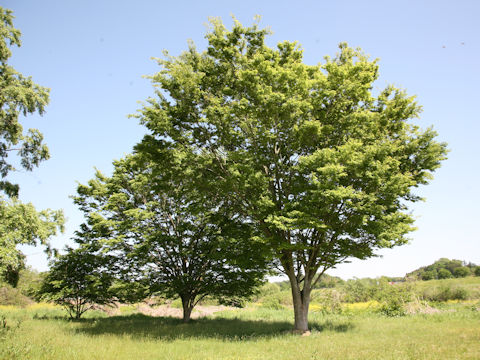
(187,309)
(301,302)
(301,316)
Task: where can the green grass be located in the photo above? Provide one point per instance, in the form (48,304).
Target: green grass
(252,333)
(470,283)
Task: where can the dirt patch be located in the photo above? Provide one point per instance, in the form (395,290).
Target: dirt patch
(166,310)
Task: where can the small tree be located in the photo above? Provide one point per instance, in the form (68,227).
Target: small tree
(77,281)
(167,237)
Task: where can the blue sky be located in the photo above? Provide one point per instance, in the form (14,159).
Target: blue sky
(93,54)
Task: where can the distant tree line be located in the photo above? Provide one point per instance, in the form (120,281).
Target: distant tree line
(444,269)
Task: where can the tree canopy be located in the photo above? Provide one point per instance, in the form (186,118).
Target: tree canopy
(22,224)
(19,96)
(321,165)
(161,233)
(78,281)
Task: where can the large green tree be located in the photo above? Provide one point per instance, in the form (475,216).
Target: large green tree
(19,96)
(162,234)
(321,165)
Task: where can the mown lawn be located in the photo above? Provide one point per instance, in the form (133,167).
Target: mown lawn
(252,333)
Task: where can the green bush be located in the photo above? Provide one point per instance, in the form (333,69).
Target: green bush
(477,271)
(364,290)
(29,282)
(445,293)
(271,302)
(393,307)
(393,299)
(12,296)
(429,275)
(444,274)
(360,290)
(327,281)
(329,300)
(461,272)
(268,289)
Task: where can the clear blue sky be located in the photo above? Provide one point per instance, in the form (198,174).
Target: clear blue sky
(92,54)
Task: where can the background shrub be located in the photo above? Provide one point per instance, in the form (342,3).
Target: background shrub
(360,290)
(394,298)
(29,282)
(445,293)
(271,302)
(461,272)
(430,275)
(444,274)
(329,300)
(12,296)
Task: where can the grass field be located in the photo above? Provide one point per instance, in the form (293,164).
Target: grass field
(44,332)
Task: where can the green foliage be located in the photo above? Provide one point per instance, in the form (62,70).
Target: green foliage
(77,281)
(23,224)
(11,272)
(360,290)
(444,274)
(477,271)
(330,300)
(268,289)
(382,295)
(394,298)
(283,285)
(393,307)
(12,296)
(443,269)
(462,272)
(430,275)
(445,292)
(162,234)
(19,95)
(29,282)
(327,281)
(306,153)
(271,302)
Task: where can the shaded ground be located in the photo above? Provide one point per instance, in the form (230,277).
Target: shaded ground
(170,328)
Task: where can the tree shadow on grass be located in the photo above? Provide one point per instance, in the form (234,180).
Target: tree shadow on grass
(169,328)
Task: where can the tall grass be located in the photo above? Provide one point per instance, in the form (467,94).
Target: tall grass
(251,333)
